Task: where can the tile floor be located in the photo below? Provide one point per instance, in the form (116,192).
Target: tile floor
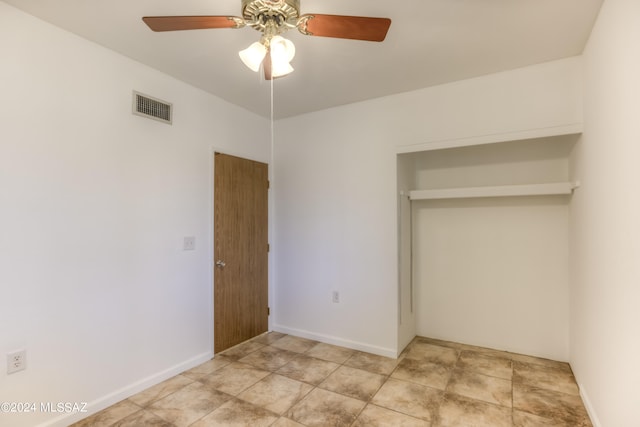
(283,381)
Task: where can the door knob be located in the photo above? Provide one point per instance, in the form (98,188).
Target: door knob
(220,263)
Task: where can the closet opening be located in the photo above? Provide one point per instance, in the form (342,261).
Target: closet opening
(484,245)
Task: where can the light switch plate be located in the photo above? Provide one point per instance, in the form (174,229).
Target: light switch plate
(189,243)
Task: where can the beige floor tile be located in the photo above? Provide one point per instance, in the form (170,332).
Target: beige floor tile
(110,415)
(308,369)
(524,419)
(268,338)
(375,416)
(464,347)
(208,367)
(330,353)
(421,372)
(234,378)
(241,350)
(276,393)
(322,408)
(458,411)
(286,422)
(160,390)
(481,387)
(143,418)
(409,398)
(354,383)
(268,358)
(372,363)
(296,344)
(434,341)
(484,350)
(550,404)
(238,413)
(546,377)
(433,354)
(486,364)
(188,404)
(540,361)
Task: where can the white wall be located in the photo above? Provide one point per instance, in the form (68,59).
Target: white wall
(94,204)
(335,191)
(493,272)
(335,230)
(605,293)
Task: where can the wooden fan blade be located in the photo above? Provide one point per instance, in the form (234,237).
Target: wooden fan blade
(345,27)
(177,23)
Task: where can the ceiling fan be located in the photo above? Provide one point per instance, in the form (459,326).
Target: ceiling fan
(272,18)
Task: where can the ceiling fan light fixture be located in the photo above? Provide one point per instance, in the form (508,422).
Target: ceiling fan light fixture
(253,55)
(272,18)
(282,52)
(280,69)
(282,48)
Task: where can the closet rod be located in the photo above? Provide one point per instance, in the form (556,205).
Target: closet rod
(556,188)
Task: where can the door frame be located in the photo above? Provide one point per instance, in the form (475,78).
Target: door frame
(211,247)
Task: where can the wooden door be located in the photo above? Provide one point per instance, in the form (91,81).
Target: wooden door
(241,250)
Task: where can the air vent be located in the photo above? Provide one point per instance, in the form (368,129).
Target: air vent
(152,108)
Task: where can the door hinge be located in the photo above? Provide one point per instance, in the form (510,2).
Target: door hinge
(268,311)
(268,247)
(268,184)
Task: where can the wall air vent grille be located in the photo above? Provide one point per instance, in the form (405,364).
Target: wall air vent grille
(152,108)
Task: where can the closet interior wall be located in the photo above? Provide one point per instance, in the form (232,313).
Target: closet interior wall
(489,271)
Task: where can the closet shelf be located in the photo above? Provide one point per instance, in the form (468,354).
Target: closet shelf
(556,188)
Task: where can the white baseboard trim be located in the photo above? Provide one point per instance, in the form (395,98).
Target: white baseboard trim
(328,339)
(589,407)
(103,402)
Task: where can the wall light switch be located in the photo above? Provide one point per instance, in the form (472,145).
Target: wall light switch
(189,243)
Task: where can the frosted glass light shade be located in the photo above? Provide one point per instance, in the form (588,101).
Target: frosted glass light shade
(282,52)
(280,69)
(253,55)
(283,48)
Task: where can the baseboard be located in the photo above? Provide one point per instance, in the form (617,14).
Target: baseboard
(328,339)
(127,391)
(589,407)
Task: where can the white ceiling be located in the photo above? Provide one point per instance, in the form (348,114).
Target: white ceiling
(430,42)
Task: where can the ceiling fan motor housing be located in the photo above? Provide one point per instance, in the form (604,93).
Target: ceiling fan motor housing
(257,13)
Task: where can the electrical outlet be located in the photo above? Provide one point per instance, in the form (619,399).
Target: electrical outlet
(335,297)
(189,243)
(16,361)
